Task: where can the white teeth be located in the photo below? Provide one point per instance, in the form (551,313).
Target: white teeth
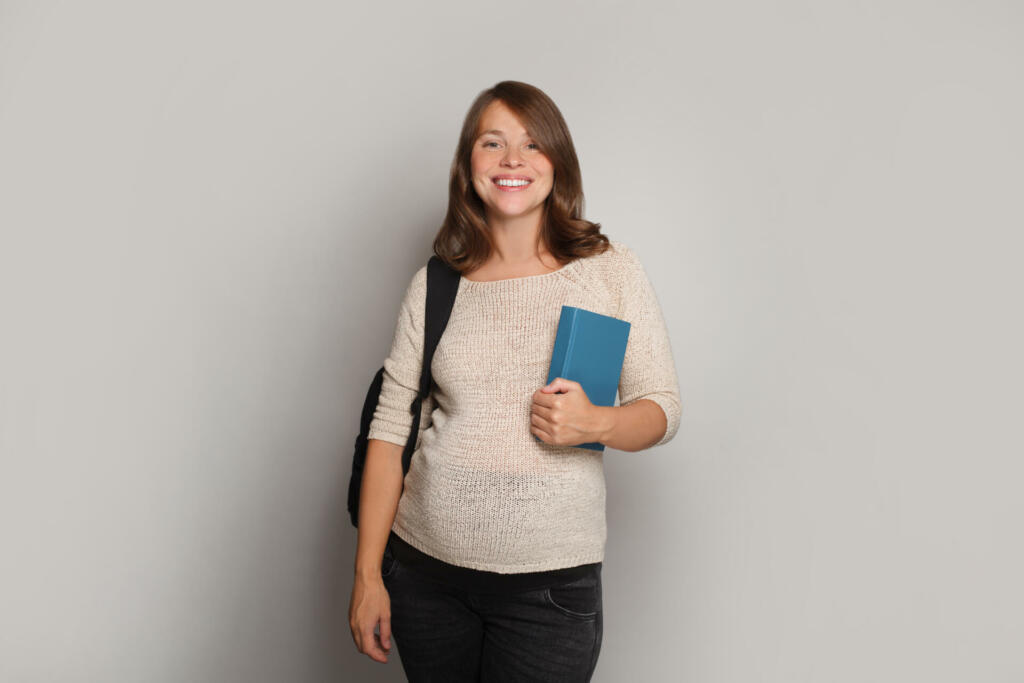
(512,183)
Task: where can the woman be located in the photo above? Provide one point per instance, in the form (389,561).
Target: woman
(487,564)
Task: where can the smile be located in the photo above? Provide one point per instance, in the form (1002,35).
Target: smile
(511,184)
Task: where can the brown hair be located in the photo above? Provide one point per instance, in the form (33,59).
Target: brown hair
(464,241)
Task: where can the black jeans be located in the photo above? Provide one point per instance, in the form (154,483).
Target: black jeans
(445,633)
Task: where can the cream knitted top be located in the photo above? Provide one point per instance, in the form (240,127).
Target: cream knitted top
(481,492)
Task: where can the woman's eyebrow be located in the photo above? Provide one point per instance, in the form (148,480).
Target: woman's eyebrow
(495,131)
(499,133)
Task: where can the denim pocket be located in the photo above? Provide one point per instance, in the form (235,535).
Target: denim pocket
(388,562)
(580,599)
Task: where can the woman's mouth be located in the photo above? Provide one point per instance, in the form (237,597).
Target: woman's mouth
(512,184)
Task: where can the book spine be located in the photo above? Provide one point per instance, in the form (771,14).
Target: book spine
(560,352)
(574,317)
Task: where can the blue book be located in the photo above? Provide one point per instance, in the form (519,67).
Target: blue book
(589,349)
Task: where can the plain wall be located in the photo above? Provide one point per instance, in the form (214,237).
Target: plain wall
(210,212)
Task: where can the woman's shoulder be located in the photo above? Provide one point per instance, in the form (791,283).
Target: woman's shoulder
(415,296)
(621,252)
(419,278)
(618,262)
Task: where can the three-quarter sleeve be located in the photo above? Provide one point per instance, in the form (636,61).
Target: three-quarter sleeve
(392,419)
(648,370)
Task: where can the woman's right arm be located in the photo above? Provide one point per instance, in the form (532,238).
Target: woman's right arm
(382,473)
(378,502)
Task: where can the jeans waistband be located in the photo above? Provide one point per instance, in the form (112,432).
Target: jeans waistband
(483,581)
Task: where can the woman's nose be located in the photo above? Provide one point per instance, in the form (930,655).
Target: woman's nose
(512,158)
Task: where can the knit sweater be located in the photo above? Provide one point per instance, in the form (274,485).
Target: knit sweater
(481,492)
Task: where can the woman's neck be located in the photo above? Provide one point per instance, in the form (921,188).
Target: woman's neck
(518,252)
(517,241)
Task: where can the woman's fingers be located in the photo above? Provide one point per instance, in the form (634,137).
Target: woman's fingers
(368,607)
(385,632)
(371,646)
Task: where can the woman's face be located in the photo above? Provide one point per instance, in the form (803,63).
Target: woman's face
(504,156)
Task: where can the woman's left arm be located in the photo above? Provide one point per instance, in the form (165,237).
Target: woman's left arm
(649,409)
(632,427)
(569,419)
(648,370)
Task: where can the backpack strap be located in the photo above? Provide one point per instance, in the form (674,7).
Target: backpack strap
(442,287)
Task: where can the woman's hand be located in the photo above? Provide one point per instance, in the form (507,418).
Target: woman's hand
(369,606)
(568,418)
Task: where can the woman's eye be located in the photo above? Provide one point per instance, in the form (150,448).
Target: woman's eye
(534,145)
(490,142)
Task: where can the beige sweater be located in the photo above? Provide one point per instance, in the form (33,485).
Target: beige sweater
(481,492)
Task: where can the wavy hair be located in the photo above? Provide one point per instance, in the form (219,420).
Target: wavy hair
(464,241)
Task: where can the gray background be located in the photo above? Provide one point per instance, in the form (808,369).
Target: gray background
(210,211)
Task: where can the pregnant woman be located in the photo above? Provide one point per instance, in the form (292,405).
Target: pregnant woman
(484,564)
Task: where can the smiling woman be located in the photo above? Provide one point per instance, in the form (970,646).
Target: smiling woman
(511,174)
(515,132)
(484,560)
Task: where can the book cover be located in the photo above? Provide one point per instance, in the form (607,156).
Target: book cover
(589,349)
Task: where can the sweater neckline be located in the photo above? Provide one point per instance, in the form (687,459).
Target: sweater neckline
(508,281)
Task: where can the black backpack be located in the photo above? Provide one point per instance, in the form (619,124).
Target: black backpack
(442,286)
